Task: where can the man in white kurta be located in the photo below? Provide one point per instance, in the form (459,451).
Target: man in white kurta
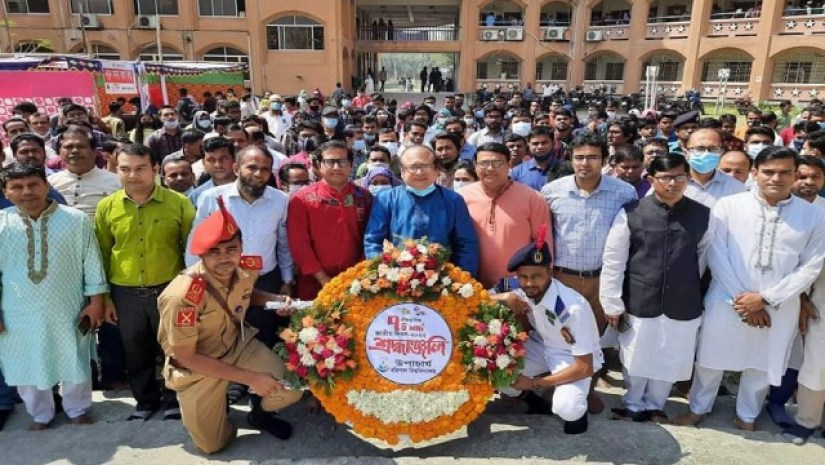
(767,247)
(648,280)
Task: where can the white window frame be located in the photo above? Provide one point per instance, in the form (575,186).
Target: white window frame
(147,52)
(225,57)
(136,5)
(113,55)
(86,3)
(26,9)
(279,30)
(212,2)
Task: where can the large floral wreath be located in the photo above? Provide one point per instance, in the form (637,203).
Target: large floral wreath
(324,346)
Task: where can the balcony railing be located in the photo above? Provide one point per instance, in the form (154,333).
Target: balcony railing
(798,92)
(615,32)
(736,15)
(669,19)
(667,30)
(733,27)
(803,25)
(409,34)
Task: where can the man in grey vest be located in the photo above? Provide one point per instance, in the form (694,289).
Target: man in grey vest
(650,287)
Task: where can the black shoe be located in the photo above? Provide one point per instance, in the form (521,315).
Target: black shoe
(268,422)
(236,392)
(536,404)
(4,415)
(576,427)
(58,402)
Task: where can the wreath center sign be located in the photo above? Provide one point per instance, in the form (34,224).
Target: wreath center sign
(409,343)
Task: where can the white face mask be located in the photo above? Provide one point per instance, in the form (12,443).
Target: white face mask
(522,128)
(460,184)
(391,146)
(379,164)
(293,188)
(754,149)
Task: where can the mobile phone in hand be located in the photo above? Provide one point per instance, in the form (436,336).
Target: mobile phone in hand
(623,325)
(84,325)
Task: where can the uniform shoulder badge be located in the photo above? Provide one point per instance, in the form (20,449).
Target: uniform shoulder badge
(196,289)
(252,262)
(186,317)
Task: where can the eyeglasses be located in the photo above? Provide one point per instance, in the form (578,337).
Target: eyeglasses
(679,178)
(494,164)
(586,158)
(424,168)
(332,162)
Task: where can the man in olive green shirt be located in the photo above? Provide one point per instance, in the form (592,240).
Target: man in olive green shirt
(142,231)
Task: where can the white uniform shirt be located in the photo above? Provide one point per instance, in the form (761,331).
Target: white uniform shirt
(85,191)
(812,372)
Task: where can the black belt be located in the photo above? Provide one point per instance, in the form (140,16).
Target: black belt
(580,274)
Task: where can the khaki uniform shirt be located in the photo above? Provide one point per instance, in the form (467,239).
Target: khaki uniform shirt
(189,314)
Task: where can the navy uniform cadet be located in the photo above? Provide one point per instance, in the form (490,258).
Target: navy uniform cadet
(207,343)
(564,338)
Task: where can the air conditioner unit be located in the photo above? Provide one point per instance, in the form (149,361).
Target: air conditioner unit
(146,21)
(554,33)
(89,21)
(595,36)
(489,35)
(515,33)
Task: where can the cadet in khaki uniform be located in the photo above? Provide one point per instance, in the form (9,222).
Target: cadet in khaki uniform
(207,344)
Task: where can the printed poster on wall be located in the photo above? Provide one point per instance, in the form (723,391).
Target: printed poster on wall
(119,77)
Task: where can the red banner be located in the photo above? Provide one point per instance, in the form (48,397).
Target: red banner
(43,88)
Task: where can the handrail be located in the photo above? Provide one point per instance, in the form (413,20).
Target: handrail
(409,34)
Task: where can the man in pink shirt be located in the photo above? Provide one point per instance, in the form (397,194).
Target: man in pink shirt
(506,214)
(362,99)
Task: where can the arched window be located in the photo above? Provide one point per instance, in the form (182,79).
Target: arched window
(151,54)
(738,63)
(32,47)
(295,33)
(799,67)
(226,55)
(499,66)
(104,53)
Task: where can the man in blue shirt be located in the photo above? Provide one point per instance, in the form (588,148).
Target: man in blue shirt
(421,208)
(545,165)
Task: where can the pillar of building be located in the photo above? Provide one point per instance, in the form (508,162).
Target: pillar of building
(762,68)
(699,22)
(532,13)
(633,72)
(578,35)
(468,36)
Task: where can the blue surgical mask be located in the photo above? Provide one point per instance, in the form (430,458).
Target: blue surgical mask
(346,103)
(392,147)
(821,124)
(704,162)
(479,114)
(754,149)
(275,106)
(376,189)
(359,145)
(330,122)
(522,128)
(370,138)
(797,144)
(421,192)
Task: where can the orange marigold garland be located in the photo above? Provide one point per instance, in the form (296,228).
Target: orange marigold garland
(459,393)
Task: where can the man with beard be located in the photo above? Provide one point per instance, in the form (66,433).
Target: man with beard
(545,166)
(177,174)
(218,157)
(261,213)
(493,131)
(446,147)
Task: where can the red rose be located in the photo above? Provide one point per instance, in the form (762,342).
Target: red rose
(480,352)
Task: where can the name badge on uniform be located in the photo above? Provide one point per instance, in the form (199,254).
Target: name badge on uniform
(185,317)
(196,289)
(348,202)
(252,262)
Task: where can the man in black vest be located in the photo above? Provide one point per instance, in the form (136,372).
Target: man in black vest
(650,287)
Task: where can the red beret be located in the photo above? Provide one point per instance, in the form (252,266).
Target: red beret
(218,227)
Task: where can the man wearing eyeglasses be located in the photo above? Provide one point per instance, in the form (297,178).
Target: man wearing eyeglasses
(327,220)
(658,302)
(706,185)
(422,208)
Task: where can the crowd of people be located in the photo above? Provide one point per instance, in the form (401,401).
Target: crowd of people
(692,245)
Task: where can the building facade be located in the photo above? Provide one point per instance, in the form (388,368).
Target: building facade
(770,50)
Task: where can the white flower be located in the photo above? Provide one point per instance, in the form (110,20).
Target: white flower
(407,406)
(446,280)
(302,349)
(307,360)
(466,291)
(414,283)
(375,288)
(479,362)
(480,341)
(445,292)
(494,327)
(329,362)
(393,274)
(421,249)
(406,272)
(512,352)
(383,269)
(318,349)
(420,267)
(308,335)
(431,282)
(405,256)
(502,362)
(355,289)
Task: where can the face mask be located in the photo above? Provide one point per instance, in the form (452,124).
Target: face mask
(479,114)
(359,145)
(469,121)
(754,149)
(171,124)
(611,114)
(460,184)
(421,192)
(377,164)
(203,124)
(376,189)
(346,103)
(440,122)
(704,162)
(392,147)
(544,158)
(821,125)
(522,128)
(275,106)
(431,105)
(330,123)
(370,138)
(293,188)
(753,123)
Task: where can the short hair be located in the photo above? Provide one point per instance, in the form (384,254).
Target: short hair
(760,130)
(242,153)
(15,119)
(109,146)
(491,107)
(539,131)
(75,132)
(408,127)
(727,118)
(139,151)
(626,127)
(467,166)
(167,107)
(350,132)
(311,125)
(456,140)
(816,140)
(590,139)
(807,127)
(283,171)
(768,117)
(785,103)
(76,122)
(25,107)
(227,104)
(21,171)
(775,152)
(562,112)
(387,131)
(174,158)
(515,138)
(667,163)
(235,127)
(710,123)
(456,120)
(379,148)
(191,136)
(666,114)
(419,146)
(26,137)
(810,160)
(628,153)
(750,160)
(114,106)
(494,147)
(73,107)
(332,145)
(216,143)
(220,121)
(369,119)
